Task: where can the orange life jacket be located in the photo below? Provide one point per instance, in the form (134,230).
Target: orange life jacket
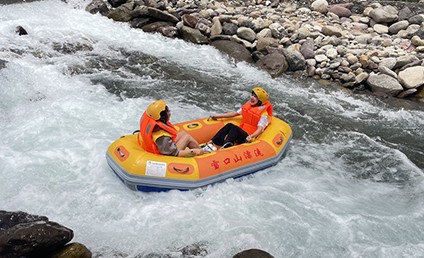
(147,125)
(252,114)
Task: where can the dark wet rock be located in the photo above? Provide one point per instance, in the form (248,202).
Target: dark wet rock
(2,65)
(31,235)
(21,31)
(140,11)
(10,219)
(140,22)
(253,253)
(116,3)
(235,50)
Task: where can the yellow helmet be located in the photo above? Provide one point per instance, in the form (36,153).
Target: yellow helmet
(154,109)
(261,94)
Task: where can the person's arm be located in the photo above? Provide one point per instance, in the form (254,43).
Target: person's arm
(258,131)
(225,115)
(262,124)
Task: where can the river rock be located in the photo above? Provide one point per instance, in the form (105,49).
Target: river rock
(383,69)
(416,19)
(266,42)
(216,28)
(123,13)
(116,3)
(275,64)
(340,10)
(97,6)
(229,28)
(161,15)
(233,49)
(406,93)
(253,253)
(246,33)
(320,6)
(2,64)
(384,83)
(361,77)
(405,60)
(412,77)
(23,234)
(331,31)
(398,26)
(417,41)
(73,250)
(156,26)
(385,14)
(307,49)
(190,20)
(404,14)
(192,35)
(295,60)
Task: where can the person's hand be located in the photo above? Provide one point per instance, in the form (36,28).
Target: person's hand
(249,138)
(213,117)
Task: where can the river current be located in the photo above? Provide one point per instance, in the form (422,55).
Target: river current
(351,184)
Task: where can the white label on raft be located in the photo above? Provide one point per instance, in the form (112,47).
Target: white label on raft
(154,168)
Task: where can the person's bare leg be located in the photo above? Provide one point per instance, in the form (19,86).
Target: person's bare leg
(184,140)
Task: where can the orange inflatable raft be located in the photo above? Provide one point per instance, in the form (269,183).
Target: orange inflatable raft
(144,171)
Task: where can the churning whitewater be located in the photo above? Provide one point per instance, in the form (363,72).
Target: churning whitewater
(350,186)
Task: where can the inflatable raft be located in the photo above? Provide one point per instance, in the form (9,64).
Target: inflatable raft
(144,171)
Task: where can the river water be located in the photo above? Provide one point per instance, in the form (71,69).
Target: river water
(350,186)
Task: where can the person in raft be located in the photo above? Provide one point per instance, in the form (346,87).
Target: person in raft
(255,118)
(160,136)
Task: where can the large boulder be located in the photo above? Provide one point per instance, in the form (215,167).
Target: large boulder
(275,64)
(295,60)
(23,234)
(412,77)
(235,50)
(384,83)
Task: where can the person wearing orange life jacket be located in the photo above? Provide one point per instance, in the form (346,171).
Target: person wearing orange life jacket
(158,135)
(256,113)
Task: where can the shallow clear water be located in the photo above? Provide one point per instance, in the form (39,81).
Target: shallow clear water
(350,186)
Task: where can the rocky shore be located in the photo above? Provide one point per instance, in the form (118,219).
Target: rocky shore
(24,235)
(361,46)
